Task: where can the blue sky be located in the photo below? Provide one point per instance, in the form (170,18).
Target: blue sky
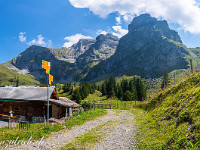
(57,23)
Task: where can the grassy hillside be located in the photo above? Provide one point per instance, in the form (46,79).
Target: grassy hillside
(8,77)
(173,117)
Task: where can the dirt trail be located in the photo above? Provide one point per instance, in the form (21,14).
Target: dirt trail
(121,135)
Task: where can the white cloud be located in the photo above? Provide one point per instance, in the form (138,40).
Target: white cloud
(22,37)
(184,12)
(39,41)
(127,17)
(119,31)
(118,20)
(116,30)
(101,32)
(74,39)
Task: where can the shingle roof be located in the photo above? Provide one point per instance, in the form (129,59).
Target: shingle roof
(26,93)
(61,103)
(64,99)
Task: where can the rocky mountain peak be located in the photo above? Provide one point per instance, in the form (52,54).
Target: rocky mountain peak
(108,36)
(149,48)
(33,50)
(82,45)
(108,40)
(102,49)
(150,24)
(141,21)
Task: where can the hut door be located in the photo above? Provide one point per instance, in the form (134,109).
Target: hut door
(30,110)
(1,108)
(30,113)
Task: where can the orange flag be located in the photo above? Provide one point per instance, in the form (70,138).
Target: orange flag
(50,78)
(44,64)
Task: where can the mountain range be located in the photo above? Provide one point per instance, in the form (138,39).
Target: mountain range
(148,49)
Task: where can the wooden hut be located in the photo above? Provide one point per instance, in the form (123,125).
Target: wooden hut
(30,103)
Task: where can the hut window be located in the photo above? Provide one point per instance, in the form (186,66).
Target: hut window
(17,108)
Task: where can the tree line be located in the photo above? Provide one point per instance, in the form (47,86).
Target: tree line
(126,90)
(79,92)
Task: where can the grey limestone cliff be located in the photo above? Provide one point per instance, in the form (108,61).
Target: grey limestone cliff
(102,49)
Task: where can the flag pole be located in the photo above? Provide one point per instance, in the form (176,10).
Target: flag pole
(46,65)
(48,98)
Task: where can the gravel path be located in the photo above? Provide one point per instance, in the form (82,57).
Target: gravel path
(3,124)
(121,135)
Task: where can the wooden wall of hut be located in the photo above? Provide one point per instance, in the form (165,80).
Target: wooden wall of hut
(26,108)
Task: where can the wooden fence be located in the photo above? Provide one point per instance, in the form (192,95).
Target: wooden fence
(113,105)
(13,123)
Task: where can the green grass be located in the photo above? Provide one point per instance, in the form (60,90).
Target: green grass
(61,93)
(172,119)
(95,97)
(9,77)
(37,131)
(152,134)
(155,134)
(177,43)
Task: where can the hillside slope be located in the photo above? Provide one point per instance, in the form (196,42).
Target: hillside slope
(8,77)
(175,114)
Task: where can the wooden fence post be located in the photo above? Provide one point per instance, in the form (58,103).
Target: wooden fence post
(70,112)
(9,123)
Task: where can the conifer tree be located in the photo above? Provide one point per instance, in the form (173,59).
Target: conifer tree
(128,96)
(141,92)
(126,85)
(133,90)
(117,90)
(78,97)
(110,86)
(120,92)
(103,89)
(165,81)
